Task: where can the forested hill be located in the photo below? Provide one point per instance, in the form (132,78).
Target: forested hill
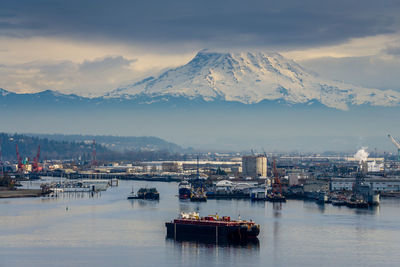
(119,143)
(74,147)
(50,149)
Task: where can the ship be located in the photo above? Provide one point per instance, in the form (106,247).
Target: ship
(185,190)
(190,226)
(145,193)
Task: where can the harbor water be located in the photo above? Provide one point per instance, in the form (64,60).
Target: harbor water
(106,229)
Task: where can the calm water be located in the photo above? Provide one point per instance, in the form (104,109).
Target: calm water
(109,230)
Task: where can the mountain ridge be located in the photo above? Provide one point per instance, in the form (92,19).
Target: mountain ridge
(248,78)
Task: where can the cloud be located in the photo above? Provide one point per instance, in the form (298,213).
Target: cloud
(66,45)
(88,78)
(289,23)
(392,49)
(376,71)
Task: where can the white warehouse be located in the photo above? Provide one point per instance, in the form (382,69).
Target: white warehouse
(378,184)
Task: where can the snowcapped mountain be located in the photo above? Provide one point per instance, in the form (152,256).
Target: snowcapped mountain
(251,78)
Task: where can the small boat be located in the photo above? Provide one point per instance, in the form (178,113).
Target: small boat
(190,226)
(132,195)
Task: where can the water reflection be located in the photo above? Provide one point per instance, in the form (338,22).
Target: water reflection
(321,207)
(373,210)
(143,202)
(277,209)
(210,243)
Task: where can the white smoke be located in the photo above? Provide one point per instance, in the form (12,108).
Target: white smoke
(362,154)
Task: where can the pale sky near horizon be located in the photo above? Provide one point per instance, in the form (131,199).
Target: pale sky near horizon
(92,47)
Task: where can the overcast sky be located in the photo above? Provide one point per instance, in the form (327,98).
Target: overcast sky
(94,46)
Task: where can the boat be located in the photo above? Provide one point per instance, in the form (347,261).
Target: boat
(184,190)
(258,194)
(338,202)
(145,193)
(276,197)
(132,195)
(190,226)
(322,198)
(198,196)
(357,203)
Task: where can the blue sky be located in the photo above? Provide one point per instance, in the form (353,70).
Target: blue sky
(91,47)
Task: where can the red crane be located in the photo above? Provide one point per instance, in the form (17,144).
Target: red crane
(277,186)
(20,165)
(35,165)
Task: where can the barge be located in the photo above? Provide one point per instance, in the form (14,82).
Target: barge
(189,226)
(145,193)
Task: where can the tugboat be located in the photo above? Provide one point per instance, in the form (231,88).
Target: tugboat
(145,193)
(357,203)
(198,196)
(276,197)
(189,226)
(132,195)
(339,200)
(185,190)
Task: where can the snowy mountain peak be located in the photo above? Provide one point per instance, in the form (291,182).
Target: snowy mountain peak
(250,78)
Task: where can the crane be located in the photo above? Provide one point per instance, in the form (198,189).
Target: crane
(265,154)
(277,186)
(397,144)
(35,165)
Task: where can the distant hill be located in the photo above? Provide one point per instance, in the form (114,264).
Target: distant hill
(57,146)
(118,143)
(49,149)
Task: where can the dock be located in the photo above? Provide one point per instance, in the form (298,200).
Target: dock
(21,193)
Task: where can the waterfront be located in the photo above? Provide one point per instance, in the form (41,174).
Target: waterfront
(107,229)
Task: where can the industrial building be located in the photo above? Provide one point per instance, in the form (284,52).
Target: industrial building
(171,166)
(378,184)
(254,166)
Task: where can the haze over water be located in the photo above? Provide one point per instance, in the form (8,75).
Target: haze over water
(109,230)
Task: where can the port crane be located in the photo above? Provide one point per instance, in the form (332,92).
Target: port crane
(397,144)
(276,186)
(35,165)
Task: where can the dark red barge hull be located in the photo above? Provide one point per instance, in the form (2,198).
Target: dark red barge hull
(212,231)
